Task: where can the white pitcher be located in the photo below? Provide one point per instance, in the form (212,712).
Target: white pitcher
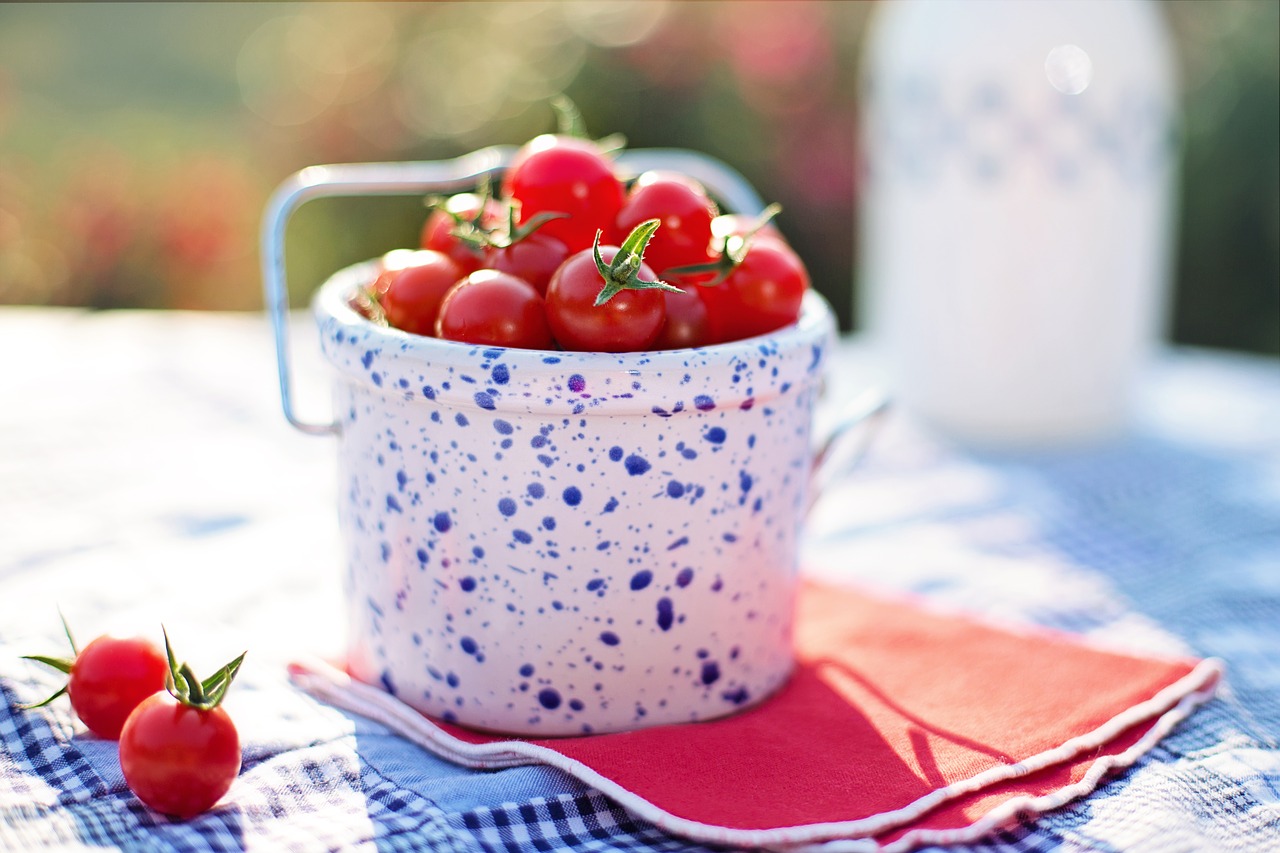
(1016,211)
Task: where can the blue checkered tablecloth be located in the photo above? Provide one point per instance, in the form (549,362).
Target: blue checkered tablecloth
(146,476)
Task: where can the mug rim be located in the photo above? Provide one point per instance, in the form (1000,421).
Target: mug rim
(342,326)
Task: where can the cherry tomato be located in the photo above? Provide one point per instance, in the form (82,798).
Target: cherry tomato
(630,321)
(437,231)
(685,212)
(566,175)
(179,760)
(107,679)
(533,258)
(495,309)
(110,677)
(687,321)
(411,294)
(762,294)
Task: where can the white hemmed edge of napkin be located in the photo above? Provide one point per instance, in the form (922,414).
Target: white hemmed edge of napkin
(1168,707)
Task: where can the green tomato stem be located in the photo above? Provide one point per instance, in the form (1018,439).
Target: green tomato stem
(733,251)
(62,665)
(189,690)
(622,273)
(569,121)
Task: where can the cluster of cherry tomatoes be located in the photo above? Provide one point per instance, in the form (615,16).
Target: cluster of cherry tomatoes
(179,749)
(569,256)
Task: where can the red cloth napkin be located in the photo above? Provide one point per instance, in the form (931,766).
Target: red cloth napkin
(902,726)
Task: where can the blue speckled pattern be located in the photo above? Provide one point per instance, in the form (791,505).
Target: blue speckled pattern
(559,543)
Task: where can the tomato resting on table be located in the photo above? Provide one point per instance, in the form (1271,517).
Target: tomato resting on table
(108,679)
(179,750)
(177,759)
(698,277)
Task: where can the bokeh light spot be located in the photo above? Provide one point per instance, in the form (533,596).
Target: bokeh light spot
(611,23)
(1069,69)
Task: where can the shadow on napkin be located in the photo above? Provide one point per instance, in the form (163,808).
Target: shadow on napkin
(901,726)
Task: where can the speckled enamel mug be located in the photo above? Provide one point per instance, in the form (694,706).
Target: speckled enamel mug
(558,543)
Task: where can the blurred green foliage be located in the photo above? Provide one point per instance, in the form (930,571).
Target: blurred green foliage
(138,143)
(1227,279)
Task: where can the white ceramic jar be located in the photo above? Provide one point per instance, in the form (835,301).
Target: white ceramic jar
(554,543)
(1016,211)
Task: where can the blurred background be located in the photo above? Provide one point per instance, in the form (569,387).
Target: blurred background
(139,142)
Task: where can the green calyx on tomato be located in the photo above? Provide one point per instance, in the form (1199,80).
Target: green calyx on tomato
(62,665)
(452,219)
(622,273)
(733,250)
(471,221)
(189,690)
(504,238)
(483,230)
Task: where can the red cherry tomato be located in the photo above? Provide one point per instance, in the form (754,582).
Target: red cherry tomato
(495,309)
(533,258)
(437,231)
(411,295)
(762,294)
(685,211)
(687,322)
(566,175)
(177,759)
(110,677)
(628,322)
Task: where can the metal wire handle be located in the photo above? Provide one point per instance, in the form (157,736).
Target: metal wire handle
(842,446)
(441,176)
